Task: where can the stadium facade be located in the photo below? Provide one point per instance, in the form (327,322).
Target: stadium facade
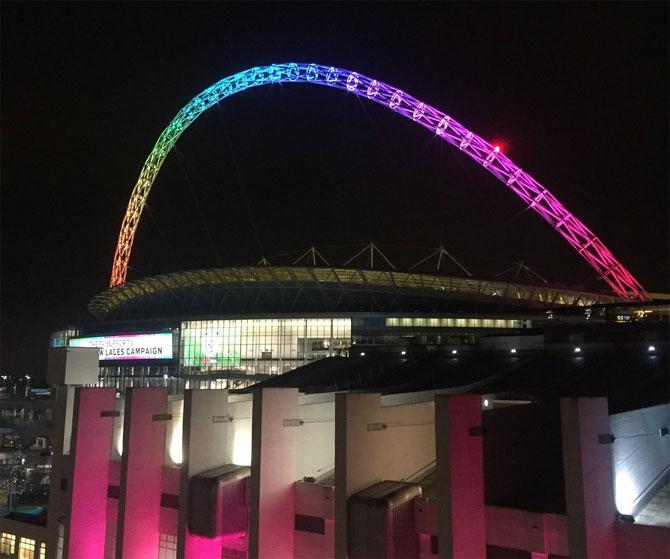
(229,328)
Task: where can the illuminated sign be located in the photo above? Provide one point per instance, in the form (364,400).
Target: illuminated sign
(128,347)
(215,345)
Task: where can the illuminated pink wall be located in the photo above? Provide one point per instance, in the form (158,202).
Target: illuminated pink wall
(91,440)
(141,473)
(460,475)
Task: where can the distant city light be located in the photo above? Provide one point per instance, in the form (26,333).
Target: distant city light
(513,350)
(578,349)
(362,354)
(650,348)
(496,149)
(403,352)
(486,403)
(454,351)
(27,377)
(165,377)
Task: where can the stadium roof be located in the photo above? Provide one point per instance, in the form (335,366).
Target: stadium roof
(264,289)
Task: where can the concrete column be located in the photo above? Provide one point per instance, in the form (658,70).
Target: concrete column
(141,473)
(354,470)
(273,471)
(90,444)
(460,477)
(587,469)
(204,444)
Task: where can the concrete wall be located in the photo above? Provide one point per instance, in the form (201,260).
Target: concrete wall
(239,440)
(641,456)
(636,540)
(401,439)
(173,432)
(313,499)
(523,457)
(536,532)
(117,430)
(316,436)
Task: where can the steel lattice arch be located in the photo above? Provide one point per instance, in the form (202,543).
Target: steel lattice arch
(535,195)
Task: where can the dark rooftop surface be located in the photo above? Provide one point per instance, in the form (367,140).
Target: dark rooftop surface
(626,372)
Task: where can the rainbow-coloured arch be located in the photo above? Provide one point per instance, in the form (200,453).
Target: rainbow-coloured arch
(538,198)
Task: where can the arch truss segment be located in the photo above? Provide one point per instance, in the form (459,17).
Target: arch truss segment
(536,196)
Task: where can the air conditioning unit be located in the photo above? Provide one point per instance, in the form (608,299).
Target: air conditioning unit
(381,521)
(218,502)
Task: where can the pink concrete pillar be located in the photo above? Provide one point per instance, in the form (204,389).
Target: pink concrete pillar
(274,441)
(91,442)
(141,473)
(587,470)
(460,476)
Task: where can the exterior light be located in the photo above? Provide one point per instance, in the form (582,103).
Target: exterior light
(362,354)
(165,376)
(403,352)
(486,403)
(454,351)
(4,377)
(27,377)
(651,348)
(513,350)
(496,149)
(578,349)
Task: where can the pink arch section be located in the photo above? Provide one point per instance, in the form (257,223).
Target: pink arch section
(535,195)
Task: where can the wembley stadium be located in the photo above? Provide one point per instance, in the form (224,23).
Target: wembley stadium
(232,327)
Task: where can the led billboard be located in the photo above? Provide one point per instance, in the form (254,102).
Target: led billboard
(127,347)
(211,344)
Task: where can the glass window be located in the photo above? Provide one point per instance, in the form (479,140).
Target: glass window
(26,549)
(7,543)
(268,346)
(167,547)
(43,551)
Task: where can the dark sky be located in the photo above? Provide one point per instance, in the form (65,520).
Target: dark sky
(577,93)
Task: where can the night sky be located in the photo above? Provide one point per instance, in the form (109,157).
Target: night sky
(576,93)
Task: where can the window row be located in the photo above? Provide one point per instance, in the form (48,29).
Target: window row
(413,322)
